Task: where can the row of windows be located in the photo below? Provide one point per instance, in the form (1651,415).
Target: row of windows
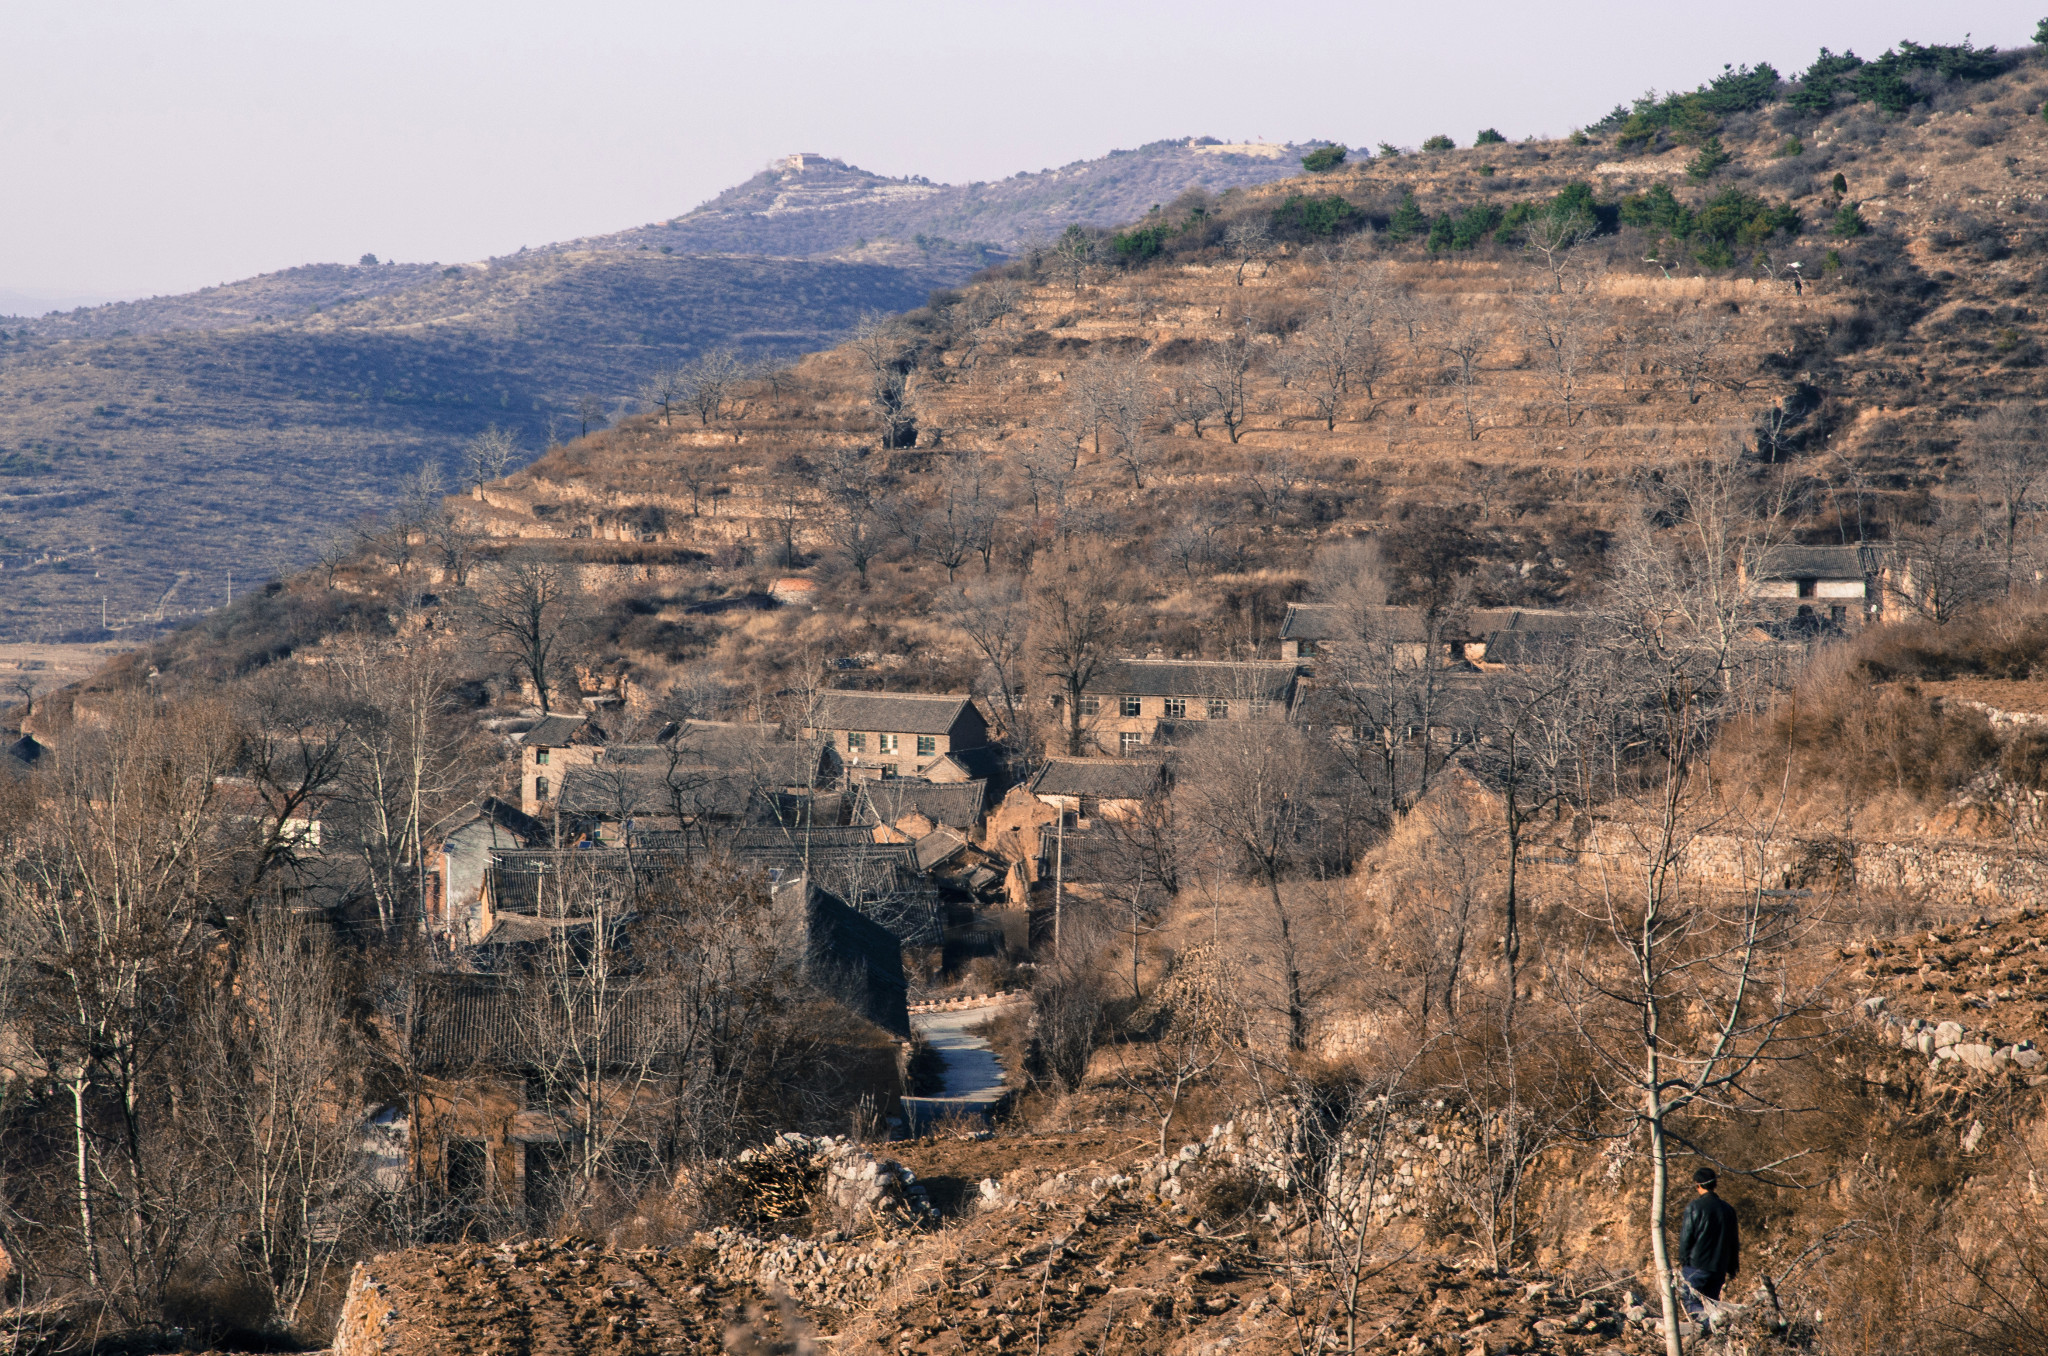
(857,742)
(1176,708)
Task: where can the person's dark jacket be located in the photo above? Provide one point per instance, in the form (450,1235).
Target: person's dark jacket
(1709,1239)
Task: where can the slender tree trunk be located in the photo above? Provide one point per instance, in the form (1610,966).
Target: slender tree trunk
(83,1156)
(1290,961)
(1660,1175)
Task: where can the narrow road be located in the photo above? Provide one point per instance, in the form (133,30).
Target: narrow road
(973,1076)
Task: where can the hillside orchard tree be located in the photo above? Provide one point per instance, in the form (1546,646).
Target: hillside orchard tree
(521,614)
(1130,405)
(1693,349)
(663,390)
(488,455)
(1462,336)
(1246,239)
(1079,604)
(2008,450)
(1223,377)
(1071,254)
(993,613)
(589,414)
(857,517)
(709,385)
(1555,235)
(889,361)
(1564,328)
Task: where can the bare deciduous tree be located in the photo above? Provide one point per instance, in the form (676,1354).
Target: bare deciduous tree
(1246,239)
(490,454)
(1079,602)
(1223,376)
(2009,461)
(889,362)
(520,612)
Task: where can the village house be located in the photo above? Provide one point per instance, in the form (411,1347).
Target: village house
(897,734)
(455,907)
(1819,584)
(1309,629)
(1520,637)
(1085,789)
(1133,703)
(554,745)
(905,809)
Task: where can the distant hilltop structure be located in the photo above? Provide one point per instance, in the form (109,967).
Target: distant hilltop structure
(800,161)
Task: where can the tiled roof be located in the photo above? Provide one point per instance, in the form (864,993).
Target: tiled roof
(688,792)
(1102,778)
(1252,680)
(956,804)
(1328,621)
(554,732)
(1813,562)
(897,712)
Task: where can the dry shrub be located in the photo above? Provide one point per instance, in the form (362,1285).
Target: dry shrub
(1840,736)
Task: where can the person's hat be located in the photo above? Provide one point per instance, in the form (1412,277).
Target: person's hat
(1705,1177)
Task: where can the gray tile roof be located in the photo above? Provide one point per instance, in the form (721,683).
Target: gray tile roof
(554,732)
(897,712)
(1327,621)
(1814,562)
(641,790)
(1102,778)
(955,804)
(1266,681)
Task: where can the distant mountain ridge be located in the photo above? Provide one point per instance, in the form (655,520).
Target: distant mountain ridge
(148,443)
(808,204)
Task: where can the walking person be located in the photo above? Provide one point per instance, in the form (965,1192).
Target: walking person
(1709,1246)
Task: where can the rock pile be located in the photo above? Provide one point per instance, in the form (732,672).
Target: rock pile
(825,1176)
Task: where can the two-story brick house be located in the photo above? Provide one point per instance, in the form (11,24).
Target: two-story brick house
(1128,705)
(897,734)
(546,752)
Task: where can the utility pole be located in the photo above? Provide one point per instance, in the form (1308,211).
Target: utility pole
(231,588)
(1059,871)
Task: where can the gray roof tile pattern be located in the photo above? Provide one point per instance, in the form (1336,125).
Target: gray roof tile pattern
(1254,680)
(554,732)
(955,804)
(898,712)
(1102,778)
(1814,562)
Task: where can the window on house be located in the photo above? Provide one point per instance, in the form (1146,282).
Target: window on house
(856,742)
(1129,742)
(1176,708)
(1128,706)
(468,1168)
(1219,709)
(1261,708)
(540,788)
(927,744)
(540,757)
(1807,587)
(1091,806)
(887,743)
(538,1092)
(1306,649)
(1091,706)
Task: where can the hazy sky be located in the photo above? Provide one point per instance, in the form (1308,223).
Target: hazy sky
(162,145)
